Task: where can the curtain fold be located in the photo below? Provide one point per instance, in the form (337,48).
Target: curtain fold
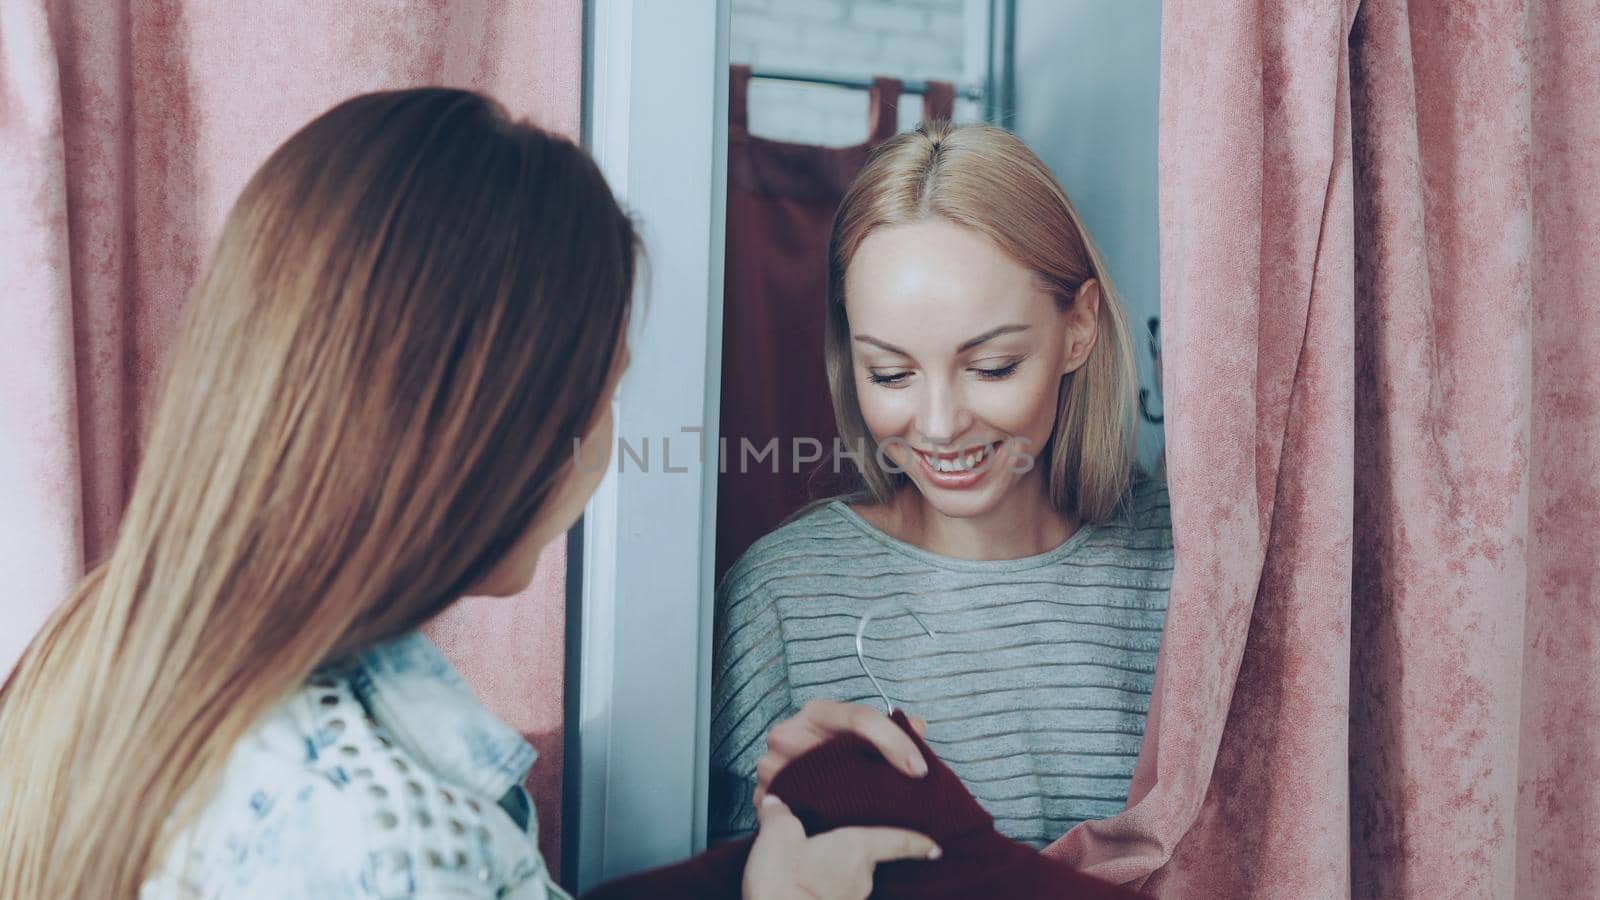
(126,131)
(1477,644)
(1380,226)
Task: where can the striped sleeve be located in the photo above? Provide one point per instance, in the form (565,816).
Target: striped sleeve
(750,693)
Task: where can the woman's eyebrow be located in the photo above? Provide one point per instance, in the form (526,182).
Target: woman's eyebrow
(867,339)
(990,335)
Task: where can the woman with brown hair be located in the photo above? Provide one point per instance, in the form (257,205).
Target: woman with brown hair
(414,318)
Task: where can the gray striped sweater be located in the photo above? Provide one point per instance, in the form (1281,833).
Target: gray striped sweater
(1035,685)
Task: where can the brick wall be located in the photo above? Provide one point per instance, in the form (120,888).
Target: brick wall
(909,39)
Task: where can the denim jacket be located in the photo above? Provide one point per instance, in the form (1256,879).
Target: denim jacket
(385,778)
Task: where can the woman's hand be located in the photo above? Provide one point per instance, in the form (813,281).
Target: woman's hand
(784,864)
(820,720)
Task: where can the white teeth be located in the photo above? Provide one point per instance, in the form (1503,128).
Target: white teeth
(963,464)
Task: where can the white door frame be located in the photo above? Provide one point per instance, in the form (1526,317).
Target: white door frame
(656,121)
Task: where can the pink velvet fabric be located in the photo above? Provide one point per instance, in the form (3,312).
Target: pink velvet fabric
(126,131)
(1380,230)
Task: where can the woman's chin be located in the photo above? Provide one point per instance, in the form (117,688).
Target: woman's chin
(965,494)
(963,503)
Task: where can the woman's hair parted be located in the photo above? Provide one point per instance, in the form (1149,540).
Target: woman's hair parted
(984,178)
(414,306)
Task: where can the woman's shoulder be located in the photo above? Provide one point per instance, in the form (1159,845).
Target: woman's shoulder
(1143,518)
(815,540)
(317,800)
(1148,504)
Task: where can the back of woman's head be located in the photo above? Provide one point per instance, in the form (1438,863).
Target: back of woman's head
(415,305)
(986,179)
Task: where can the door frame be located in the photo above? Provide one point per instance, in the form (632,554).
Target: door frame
(640,592)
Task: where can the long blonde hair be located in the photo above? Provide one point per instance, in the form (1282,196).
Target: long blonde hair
(984,178)
(414,306)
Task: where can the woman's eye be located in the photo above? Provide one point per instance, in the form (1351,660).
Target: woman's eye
(997,373)
(890,378)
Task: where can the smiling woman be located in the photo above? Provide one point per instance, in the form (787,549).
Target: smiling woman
(979,354)
(962,405)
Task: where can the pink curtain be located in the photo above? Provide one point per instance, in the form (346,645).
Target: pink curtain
(126,130)
(1380,229)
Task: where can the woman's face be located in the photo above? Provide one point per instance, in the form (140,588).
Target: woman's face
(958,354)
(514,572)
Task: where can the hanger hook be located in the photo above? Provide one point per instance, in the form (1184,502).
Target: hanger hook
(861,653)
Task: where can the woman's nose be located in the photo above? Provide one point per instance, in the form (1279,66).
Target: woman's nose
(943,416)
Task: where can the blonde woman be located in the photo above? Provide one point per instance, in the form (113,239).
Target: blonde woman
(984,388)
(416,306)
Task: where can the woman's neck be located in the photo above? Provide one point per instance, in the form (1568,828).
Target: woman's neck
(1025,524)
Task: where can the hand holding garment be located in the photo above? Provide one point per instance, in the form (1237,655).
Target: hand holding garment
(845,782)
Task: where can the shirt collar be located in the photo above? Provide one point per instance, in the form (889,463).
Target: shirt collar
(414,694)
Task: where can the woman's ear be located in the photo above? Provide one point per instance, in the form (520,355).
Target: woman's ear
(1083,326)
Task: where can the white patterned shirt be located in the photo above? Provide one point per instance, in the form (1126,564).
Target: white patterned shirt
(383,779)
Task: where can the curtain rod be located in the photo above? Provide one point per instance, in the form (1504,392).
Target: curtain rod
(967,92)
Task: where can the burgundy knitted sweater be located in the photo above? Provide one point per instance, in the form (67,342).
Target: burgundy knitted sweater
(846,782)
